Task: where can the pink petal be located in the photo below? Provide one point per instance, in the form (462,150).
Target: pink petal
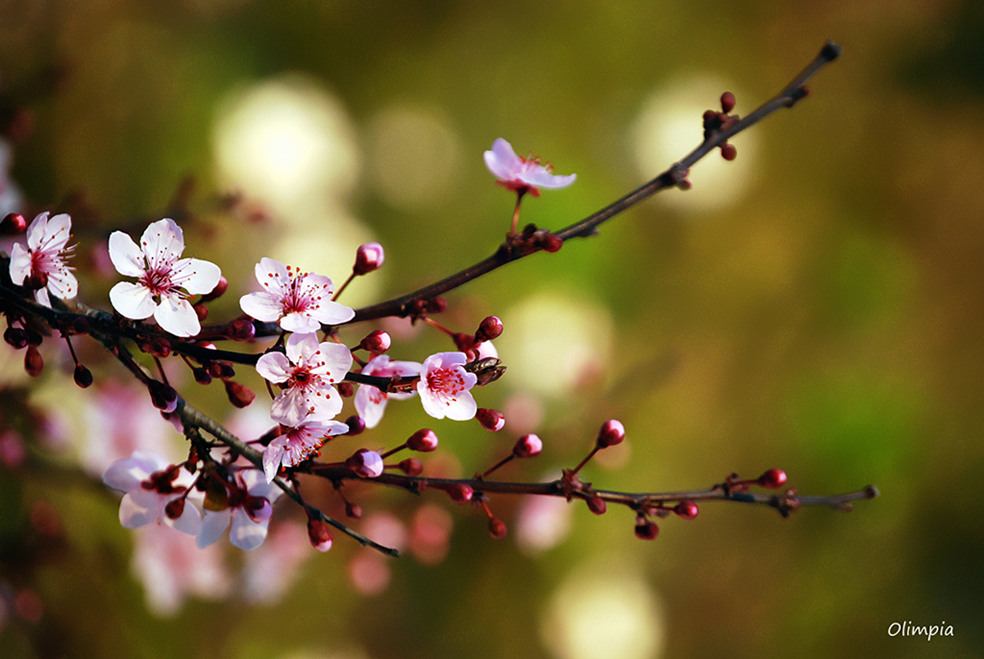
(544,179)
(175,315)
(195,275)
(333,313)
(502,160)
(245,533)
(20,264)
(127,474)
(274,366)
(272,275)
(140,507)
(301,322)
(57,233)
(63,284)
(462,408)
(36,232)
(337,358)
(262,306)
(302,346)
(370,403)
(272,457)
(127,257)
(162,242)
(290,406)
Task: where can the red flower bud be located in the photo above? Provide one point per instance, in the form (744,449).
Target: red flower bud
(174,508)
(13,224)
(497,528)
(356,425)
(353,510)
(368,257)
(597,505)
(201,311)
(460,493)
(239,395)
(773,479)
(727,102)
(612,432)
(492,420)
(527,446)
(163,396)
(218,291)
(686,509)
(201,375)
(729,151)
(241,329)
(645,529)
(377,342)
(83,376)
(489,329)
(345,389)
(33,362)
(160,347)
(365,463)
(411,466)
(423,441)
(16,337)
(319,534)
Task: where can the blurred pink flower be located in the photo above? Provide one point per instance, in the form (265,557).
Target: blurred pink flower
(155,493)
(522,174)
(309,370)
(299,301)
(42,265)
(249,510)
(164,281)
(444,385)
(370,402)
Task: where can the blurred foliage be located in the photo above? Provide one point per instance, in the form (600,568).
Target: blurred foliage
(828,320)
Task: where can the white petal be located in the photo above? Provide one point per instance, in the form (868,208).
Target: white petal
(262,306)
(272,275)
(544,179)
(367,406)
(213,526)
(338,359)
(139,508)
(301,346)
(196,276)
(41,297)
(289,407)
(272,457)
(127,474)
(63,284)
(462,408)
(57,233)
(20,264)
(300,322)
(274,366)
(35,232)
(127,257)
(257,485)
(189,522)
(162,242)
(132,300)
(333,313)
(175,315)
(502,160)
(433,405)
(246,534)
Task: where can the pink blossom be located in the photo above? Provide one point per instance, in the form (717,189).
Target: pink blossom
(171,566)
(42,264)
(299,301)
(370,402)
(309,372)
(522,174)
(164,281)
(444,385)
(151,483)
(298,443)
(366,463)
(251,500)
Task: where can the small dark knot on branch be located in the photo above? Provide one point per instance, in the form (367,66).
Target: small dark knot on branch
(830,51)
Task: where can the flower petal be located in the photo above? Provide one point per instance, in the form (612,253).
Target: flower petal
(300,322)
(175,315)
(189,522)
(245,533)
(140,507)
(127,474)
(195,275)
(272,457)
(127,257)
(20,264)
(213,526)
(262,306)
(162,243)
(274,366)
(57,233)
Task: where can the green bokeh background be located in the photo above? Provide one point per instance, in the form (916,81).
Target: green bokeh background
(830,322)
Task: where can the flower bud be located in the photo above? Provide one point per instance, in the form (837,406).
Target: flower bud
(33,362)
(497,528)
(377,342)
(353,510)
(528,446)
(597,505)
(201,375)
(646,529)
(37,280)
(727,102)
(201,311)
(34,337)
(16,337)
(460,493)
(729,151)
(175,508)
(319,534)
(83,376)
(13,224)
(356,425)
(612,432)
(423,441)
(159,347)
(436,305)
(80,325)
(772,479)
(241,329)
(686,509)
(345,389)
(365,463)
(489,329)
(163,396)
(220,288)
(492,420)
(368,257)
(551,243)
(411,466)
(239,395)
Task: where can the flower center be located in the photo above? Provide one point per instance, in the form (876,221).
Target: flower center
(446,381)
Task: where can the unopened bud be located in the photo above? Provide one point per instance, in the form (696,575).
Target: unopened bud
(37,280)
(319,534)
(13,224)
(241,329)
(377,342)
(646,529)
(83,376)
(489,329)
(686,509)
(612,432)
(160,347)
(365,463)
(772,479)
(597,505)
(411,466)
(175,508)
(201,311)
(239,395)
(34,337)
(423,441)
(727,102)
(356,425)
(492,420)
(163,396)
(80,325)
(201,375)
(368,257)
(436,305)
(460,493)
(16,337)
(353,510)
(551,243)
(528,446)
(729,151)
(497,528)
(345,389)
(33,362)
(218,291)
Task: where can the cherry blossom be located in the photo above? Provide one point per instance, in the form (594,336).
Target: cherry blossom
(155,492)
(308,371)
(444,385)
(298,443)
(299,301)
(251,501)
(164,281)
(522,174)
(42,264)
(370,402)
